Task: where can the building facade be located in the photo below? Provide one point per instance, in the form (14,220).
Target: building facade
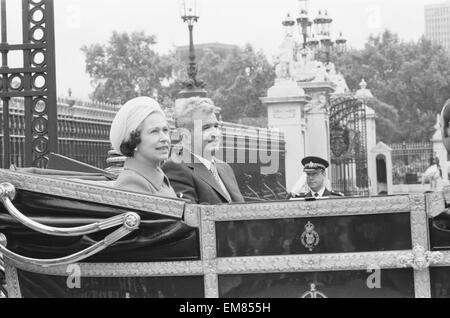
(437,24)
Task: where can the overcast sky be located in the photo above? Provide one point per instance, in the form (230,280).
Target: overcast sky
(80,22)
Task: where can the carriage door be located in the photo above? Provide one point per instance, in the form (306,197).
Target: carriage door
(28,84)
(348,145)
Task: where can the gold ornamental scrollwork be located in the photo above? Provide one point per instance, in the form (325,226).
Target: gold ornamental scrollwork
(191,215)
(310,238)
(309,263)
(12,282)
(420,259)
(435,204)
(299,209)
(90,191)
(147,269)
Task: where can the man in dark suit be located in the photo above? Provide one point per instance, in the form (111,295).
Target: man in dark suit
(198,175)
(314,167)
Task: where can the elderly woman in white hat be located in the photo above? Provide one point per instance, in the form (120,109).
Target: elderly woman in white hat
(141,133)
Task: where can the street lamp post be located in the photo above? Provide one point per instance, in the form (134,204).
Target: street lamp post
(341,44)
(303,21)
(192,86)
(288,24)
(320,42)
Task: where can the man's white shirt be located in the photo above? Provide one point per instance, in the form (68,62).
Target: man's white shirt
(320,192)
(207,163)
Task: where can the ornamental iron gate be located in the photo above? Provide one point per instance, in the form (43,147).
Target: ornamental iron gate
(35,82)
(348,143)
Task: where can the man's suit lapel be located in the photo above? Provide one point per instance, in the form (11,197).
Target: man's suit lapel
(203,173)
(229,183)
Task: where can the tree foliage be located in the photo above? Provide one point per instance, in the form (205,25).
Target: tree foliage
(410,80)
(235,80)
(386,120)
(413,77)
(125,67)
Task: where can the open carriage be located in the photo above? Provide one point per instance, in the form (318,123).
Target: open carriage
(71,235)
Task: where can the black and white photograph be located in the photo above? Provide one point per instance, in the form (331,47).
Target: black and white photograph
(236,150)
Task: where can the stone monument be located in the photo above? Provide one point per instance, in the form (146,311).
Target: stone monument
(298,104)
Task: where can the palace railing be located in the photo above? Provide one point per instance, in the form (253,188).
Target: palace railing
(410,161)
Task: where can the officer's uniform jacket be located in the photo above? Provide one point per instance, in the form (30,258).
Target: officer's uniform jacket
(326,193)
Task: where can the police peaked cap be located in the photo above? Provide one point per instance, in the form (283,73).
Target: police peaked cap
(312,164)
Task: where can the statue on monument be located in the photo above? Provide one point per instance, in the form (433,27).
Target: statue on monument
(307,68)
(285,84)
(284,61)
(337,78)
(317,103)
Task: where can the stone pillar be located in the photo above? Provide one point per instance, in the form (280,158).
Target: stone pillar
(371,131)
(317,120)
(371,139)
(318,133)
(285,106)
(440,151)
(381,149)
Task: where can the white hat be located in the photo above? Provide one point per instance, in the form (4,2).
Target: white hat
(129,117)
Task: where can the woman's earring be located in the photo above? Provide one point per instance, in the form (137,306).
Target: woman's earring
(136,149)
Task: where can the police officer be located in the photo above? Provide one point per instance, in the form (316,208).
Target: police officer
(314,167)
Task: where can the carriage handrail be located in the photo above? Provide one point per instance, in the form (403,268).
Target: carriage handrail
(7,194)
(130,222)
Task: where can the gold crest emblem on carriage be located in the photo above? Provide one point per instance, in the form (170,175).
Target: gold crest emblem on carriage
(310,238)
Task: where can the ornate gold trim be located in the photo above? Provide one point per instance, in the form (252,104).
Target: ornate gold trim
(435,203)
(312,263)
(192,215)
(419,221)
(320,208)
(208,250)
(211,286)
(12,281)
(420,259)
(422,284)
(93,193)
(445,261)
(208,233)
(185,268)
(415,205)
